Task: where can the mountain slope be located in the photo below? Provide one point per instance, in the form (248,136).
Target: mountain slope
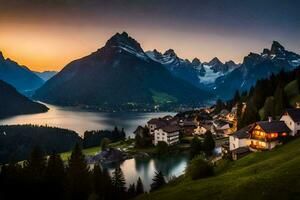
(13,103)
(18,76)
(46,75)
(261,175)
(257,66)
(199,74)
(120,76)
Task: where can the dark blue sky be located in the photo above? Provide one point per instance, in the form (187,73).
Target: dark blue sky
(228,29)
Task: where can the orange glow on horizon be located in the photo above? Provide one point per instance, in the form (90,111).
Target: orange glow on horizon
(52,46)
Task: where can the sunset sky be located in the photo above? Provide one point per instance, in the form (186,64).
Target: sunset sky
(48,34)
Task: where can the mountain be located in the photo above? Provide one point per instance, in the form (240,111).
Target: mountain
(46,75)
(118,76)
(13,103)
(18,76)
(254,67)
(181,68)
(199,74)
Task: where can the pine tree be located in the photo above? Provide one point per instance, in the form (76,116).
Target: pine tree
(107,183)
(54,177)
(98,182)
(196,147)
(280,99)
(131,191)
(35,164)
(250,115)
(34,169)
(269,108)
(208,143)
(77,183)
(139,187)
(118,182)
(158,181)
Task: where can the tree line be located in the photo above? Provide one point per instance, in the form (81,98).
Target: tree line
(41,177)
(267,98)
(16,141)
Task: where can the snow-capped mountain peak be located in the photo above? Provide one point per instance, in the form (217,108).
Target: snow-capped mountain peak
(123,42)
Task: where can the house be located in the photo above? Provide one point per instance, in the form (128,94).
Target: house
(168,134)
(291,117)
(221,127)
(200,130)
(155,123)
(265,135)
(188,127)
(240,138)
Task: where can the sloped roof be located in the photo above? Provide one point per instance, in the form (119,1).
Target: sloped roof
(243,132)
(170,128)
(294,113)
(220,122)
(273,126)
(158,122)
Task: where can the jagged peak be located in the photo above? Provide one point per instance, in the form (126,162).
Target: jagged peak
(230,62)
(276,46)
(215,61)
(196,62)
(170,52)
(155,51)
(1,56)
(123,40)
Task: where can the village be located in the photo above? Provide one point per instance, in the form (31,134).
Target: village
(258,136)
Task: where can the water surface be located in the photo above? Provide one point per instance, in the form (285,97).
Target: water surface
(171,166)
(81,120)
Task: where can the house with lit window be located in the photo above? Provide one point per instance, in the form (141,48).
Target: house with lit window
(291,117)
(168,134)
(240,138)
(265,135)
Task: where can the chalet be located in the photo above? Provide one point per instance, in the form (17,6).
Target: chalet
(265,135)
(168,134)
(188,127)
(221,127)
(291,117)
(155,123)
(240,138)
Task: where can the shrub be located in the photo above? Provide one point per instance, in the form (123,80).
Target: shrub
(162,148)
(199,168)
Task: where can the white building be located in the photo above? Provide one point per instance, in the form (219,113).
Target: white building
(168,134)
(291,118)
(240,138)
(155,123)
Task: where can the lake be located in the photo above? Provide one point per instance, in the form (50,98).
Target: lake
(145,168)
(81,120)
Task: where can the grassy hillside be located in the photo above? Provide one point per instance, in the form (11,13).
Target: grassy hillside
(262,175)
(292,92)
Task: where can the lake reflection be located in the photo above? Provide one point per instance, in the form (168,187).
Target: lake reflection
(145,168)
(81,120)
